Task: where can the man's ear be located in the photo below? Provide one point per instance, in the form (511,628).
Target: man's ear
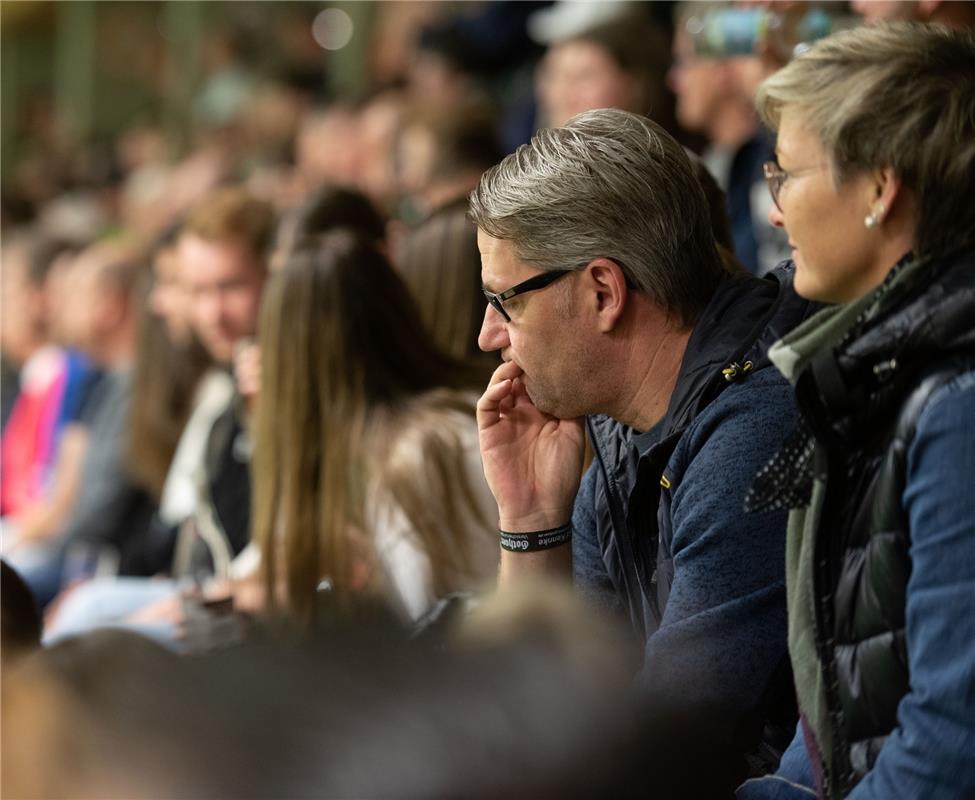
(607,285)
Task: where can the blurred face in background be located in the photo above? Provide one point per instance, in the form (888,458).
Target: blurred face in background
(326,147)
(169,299)
(415,157)
(89,305)
(579,76)
(58,299)
(21,307)
(883,10)
(379,124)
(699,84)
(224,281)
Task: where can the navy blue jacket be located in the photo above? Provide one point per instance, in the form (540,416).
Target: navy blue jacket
(659,530)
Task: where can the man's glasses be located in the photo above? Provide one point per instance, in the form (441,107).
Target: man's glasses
(538,282)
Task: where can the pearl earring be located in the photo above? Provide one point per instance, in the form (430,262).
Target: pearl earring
(875,216)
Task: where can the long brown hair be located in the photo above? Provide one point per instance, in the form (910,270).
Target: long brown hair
(346,364)
(164,383)
(441,265)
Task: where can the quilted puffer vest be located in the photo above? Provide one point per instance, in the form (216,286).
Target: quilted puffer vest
(863,402)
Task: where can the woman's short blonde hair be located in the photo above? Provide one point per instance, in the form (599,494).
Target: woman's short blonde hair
(898,95)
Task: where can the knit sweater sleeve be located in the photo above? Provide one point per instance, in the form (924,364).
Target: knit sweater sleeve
(723,631)
(929,753)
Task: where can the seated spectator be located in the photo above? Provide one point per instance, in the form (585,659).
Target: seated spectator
(648,334)
(442,155)
(441,152)
(43,446)
(616,59)
(379,119)
(366,470)
(108,512)
(327,148)
(873,180)
(323,209)
(204,514)
(714,98)
(169,366)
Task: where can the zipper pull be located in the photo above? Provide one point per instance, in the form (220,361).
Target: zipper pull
(735,370)
(884,369)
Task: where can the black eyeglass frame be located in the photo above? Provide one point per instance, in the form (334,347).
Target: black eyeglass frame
(536,282)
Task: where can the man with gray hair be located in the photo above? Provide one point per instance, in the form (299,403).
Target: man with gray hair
(615,317)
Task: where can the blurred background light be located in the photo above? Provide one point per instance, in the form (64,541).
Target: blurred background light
(332,29)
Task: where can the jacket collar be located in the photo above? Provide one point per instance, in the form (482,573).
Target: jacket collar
(744,317)
(854,359)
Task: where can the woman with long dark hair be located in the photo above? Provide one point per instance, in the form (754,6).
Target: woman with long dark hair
(366,470)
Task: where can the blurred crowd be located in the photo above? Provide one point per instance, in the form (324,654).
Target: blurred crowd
(242,493)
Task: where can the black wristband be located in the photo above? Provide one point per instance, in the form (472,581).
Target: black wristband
(537,540)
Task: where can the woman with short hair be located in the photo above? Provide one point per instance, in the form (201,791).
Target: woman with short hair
(873,183)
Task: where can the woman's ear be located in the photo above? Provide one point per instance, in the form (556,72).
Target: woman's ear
(609,290)
(886,189)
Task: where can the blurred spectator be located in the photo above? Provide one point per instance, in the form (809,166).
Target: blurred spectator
(944,12)
(477,51)
(380,118)
(441,152)
(169,366)
(327,148)
(713,98)
(441,266)
(395,29)
(363,714)
(372,479)
(108,512)
(9,388)
(228,82)
(42,444)
(204,512)
(619,62)
(442,155)
(323,210)
(223,252)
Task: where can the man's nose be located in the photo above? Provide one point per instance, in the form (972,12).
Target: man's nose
(775,218)
(494,332)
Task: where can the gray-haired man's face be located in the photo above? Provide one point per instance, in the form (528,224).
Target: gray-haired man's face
(542,336)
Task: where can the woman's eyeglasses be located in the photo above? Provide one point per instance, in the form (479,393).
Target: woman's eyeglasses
(776,177)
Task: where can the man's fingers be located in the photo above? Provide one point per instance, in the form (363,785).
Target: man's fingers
(492,403)
(497,398)
(506,372)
